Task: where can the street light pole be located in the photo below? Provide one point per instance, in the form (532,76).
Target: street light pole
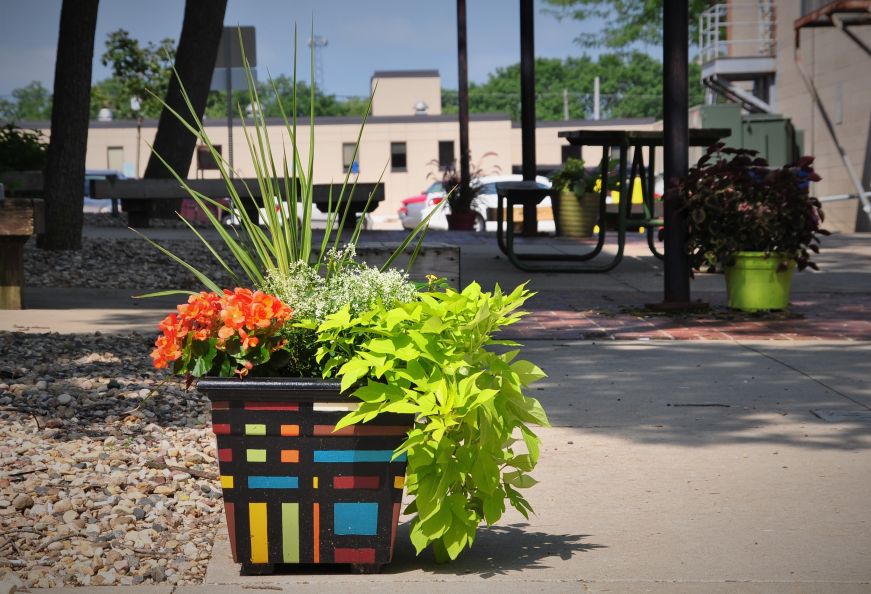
(136,107)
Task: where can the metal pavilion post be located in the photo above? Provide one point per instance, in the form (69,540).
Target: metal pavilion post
(675,95)
(527,106)
(463,97)
(527,87)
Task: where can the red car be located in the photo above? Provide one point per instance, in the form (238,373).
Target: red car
(412,207)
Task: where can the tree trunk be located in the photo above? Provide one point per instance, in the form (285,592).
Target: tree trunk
(195,63)
(64,178)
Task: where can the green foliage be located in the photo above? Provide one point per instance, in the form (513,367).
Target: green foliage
(574,177)
(22,150)
(433,359)
(138,71)
(630,86)
(313,297)
(31,102)
(619,24)
(285,239)
(281,97)
(735,202)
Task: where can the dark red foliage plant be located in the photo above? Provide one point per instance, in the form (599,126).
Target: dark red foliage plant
(735,202)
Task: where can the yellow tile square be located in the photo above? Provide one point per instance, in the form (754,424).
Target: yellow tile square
(226,482)
(314,482)
(398,482)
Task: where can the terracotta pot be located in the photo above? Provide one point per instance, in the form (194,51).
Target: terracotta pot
(295,491)
(462,221)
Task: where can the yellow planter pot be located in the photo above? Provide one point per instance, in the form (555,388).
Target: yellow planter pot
(754,284)
(576,216)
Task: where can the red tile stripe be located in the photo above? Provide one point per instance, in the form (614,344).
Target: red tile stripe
(356,482)
(354,555)
(220,405)
(393,527)
(360,430)
(221,429)
(230,512)
(292,406)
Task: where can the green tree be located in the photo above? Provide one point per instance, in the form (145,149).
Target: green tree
(325,104)
(22,150)
(620,24)
(31,102)
(630,86)
(136,70)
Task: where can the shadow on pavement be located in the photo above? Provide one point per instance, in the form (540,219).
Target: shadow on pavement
(700,395)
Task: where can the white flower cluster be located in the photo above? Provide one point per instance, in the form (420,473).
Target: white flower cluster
(314,297)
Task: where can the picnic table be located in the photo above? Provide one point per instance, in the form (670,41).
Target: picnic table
(643,167)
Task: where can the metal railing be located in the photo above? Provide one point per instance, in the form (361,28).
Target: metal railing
(808,6)
(737,30)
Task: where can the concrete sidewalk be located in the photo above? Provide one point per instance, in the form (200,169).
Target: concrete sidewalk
(725,466)
(671,467)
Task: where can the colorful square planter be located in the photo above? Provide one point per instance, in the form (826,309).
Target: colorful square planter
(295,490)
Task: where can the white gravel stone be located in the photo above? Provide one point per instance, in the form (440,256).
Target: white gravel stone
(84,466)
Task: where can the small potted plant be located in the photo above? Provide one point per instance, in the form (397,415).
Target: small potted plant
(336,385)
(460,214)
(576,209)
(755,223)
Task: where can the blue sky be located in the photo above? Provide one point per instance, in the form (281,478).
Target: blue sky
(362,36)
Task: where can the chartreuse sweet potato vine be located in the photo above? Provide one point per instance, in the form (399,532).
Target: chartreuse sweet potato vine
(432,358)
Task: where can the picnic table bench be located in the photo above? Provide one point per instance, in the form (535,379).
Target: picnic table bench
(136,195)
(621,142)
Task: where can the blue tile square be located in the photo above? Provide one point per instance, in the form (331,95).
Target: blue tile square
(355,518)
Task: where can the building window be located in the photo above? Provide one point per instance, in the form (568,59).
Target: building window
(349,162)
(115,158)
(570,151)
(398,154)
(446,154)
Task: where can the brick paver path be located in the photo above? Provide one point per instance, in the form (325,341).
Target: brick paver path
(568,315)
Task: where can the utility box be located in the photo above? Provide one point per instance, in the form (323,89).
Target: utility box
(725,115)
(771,135)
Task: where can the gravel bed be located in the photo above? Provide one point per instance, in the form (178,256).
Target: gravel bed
(92,219)
(123,264)
(109,472)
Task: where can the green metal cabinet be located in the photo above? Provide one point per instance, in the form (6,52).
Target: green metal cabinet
(771,135)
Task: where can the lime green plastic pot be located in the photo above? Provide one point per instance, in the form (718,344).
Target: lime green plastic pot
(754,284)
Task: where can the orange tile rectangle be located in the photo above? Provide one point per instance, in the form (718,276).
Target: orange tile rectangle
(290,430)
(290,456)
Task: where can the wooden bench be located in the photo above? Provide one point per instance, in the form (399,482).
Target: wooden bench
(137,194)
(19,219)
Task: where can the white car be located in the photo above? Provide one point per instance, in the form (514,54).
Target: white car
(486,199)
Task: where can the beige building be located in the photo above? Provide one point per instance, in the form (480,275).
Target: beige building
(402,145)
(756,52)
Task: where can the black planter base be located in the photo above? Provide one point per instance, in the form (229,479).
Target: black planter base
(296,491)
